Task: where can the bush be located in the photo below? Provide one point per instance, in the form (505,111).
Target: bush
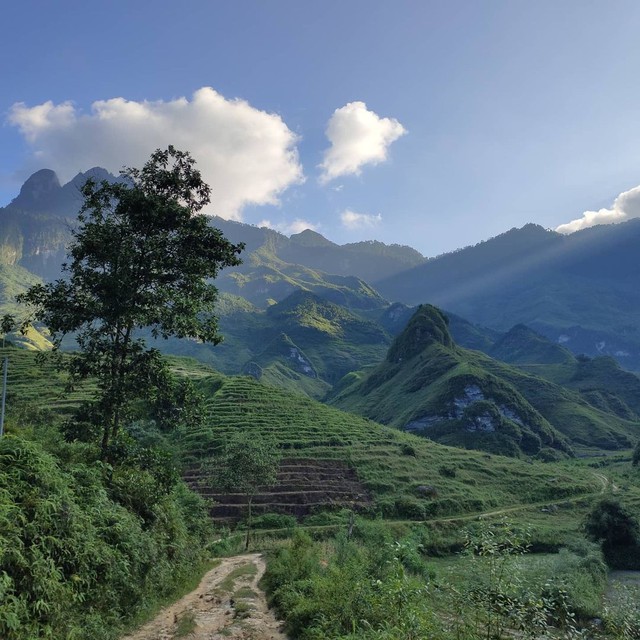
(408,507)
(617,530)
(274,521)
(76,564)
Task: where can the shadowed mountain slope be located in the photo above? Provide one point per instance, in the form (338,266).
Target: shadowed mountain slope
(582,290)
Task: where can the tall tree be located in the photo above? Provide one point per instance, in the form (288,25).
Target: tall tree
(141,258)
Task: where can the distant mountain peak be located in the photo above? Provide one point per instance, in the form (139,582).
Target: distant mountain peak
(95,173)
(38,189)
(310,238)
(427,326)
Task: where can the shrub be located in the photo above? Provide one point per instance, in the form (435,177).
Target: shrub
(76,564)
(274,521)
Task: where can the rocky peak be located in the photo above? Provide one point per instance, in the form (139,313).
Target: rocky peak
(309,238)
(427,326)
(40,188)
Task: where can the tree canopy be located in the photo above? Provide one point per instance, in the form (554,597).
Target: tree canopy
(142,258)
(248,463)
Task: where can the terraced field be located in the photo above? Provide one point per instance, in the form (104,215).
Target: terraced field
(405,475)
(304,485)
(38,384)
(331,458)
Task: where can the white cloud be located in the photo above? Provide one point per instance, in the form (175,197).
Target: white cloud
(624,207)
(289,227)
(358,137)
(248,156)
(352,220)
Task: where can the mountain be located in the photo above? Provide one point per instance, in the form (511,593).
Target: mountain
(368,261)
(580,290)
(601,380)
(35,227)
(523,346)
(304,343)
(428,384)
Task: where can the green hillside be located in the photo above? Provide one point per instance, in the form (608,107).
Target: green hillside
(330,339)
(264,278)
(600,381)
(457,396)
(521,345)
(407,476)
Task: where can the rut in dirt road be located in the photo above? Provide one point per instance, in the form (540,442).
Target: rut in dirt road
(228,604)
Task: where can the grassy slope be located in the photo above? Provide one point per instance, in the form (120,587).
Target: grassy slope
(392,464)
(427,379)
(334,339)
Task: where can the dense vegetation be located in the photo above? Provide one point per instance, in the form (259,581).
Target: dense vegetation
(84,546)
(378,586)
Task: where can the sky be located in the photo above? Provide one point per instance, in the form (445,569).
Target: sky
(435,124)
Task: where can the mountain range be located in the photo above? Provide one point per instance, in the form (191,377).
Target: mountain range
(528,357)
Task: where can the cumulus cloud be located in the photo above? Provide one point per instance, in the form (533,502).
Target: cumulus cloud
(624,207)
(248,156)
(290,227)
(352,220)
(358,137)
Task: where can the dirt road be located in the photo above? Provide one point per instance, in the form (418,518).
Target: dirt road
(226,605)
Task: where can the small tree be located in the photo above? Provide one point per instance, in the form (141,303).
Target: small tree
(612,524)
(248,463)
(141,258)
(635,459)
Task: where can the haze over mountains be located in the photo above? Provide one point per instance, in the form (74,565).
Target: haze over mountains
(329,321)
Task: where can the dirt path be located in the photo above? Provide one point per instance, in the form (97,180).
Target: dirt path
(227,604)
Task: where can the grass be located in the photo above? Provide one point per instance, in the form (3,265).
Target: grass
(186,625)
(307,429)
(244,570)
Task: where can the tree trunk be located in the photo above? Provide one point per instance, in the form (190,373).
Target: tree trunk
(246,544)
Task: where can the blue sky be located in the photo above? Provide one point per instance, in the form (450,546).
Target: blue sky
(480,116)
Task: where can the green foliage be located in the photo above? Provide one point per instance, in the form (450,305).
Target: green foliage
(610,523)
(74,562)
(247,464)
(354,594)
(617,530)
(139,259)
(377,585)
